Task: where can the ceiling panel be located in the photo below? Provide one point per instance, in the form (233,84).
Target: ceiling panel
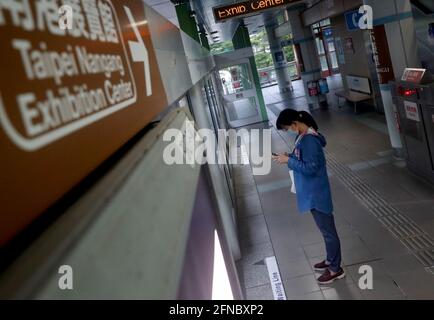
(165,8)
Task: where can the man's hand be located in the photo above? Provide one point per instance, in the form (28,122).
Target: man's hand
(281,159)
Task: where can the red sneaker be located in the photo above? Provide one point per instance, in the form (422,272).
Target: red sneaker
(327,277)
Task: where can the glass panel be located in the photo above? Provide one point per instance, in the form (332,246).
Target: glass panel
(242,109)
(280,18)
(324,65)
(325,22)
(319,46)
(331,45)
(334,60)
(292,70)
(236,79)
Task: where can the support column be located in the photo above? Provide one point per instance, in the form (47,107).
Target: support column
(279,59)
(394,40)
(241,40)
(309,63)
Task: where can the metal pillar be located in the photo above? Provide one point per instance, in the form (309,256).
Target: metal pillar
(240,40)
(310,66)
(279,59)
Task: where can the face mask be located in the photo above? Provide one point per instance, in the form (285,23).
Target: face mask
(292,134)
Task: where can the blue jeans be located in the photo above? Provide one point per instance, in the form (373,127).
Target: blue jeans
(326,224)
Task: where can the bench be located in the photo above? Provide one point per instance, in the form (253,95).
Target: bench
(359,90)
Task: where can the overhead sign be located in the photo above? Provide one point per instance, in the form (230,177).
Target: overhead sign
(245,8)
(71,94)
(352,19)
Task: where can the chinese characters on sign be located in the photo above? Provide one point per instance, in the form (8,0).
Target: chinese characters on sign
(71,94)
(381,55)
(92,20)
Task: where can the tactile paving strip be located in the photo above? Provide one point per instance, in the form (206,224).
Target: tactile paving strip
(420,244)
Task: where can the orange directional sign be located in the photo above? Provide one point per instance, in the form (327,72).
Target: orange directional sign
(71,94)
(246,8)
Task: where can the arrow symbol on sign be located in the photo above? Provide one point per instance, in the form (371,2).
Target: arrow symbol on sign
(139,51)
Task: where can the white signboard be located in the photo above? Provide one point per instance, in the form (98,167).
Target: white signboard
(275,279)
(411,111)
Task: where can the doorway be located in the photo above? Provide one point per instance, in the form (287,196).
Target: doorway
(239,88)
(324,41)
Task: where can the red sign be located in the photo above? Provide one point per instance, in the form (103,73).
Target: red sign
(312,87)
(411,111)
(381,55)
(69,97)
(413,75)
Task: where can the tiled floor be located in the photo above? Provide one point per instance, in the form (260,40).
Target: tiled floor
(271,226)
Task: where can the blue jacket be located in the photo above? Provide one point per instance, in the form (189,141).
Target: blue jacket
(310,174)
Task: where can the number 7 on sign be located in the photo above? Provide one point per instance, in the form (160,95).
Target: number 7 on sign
(139,51)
